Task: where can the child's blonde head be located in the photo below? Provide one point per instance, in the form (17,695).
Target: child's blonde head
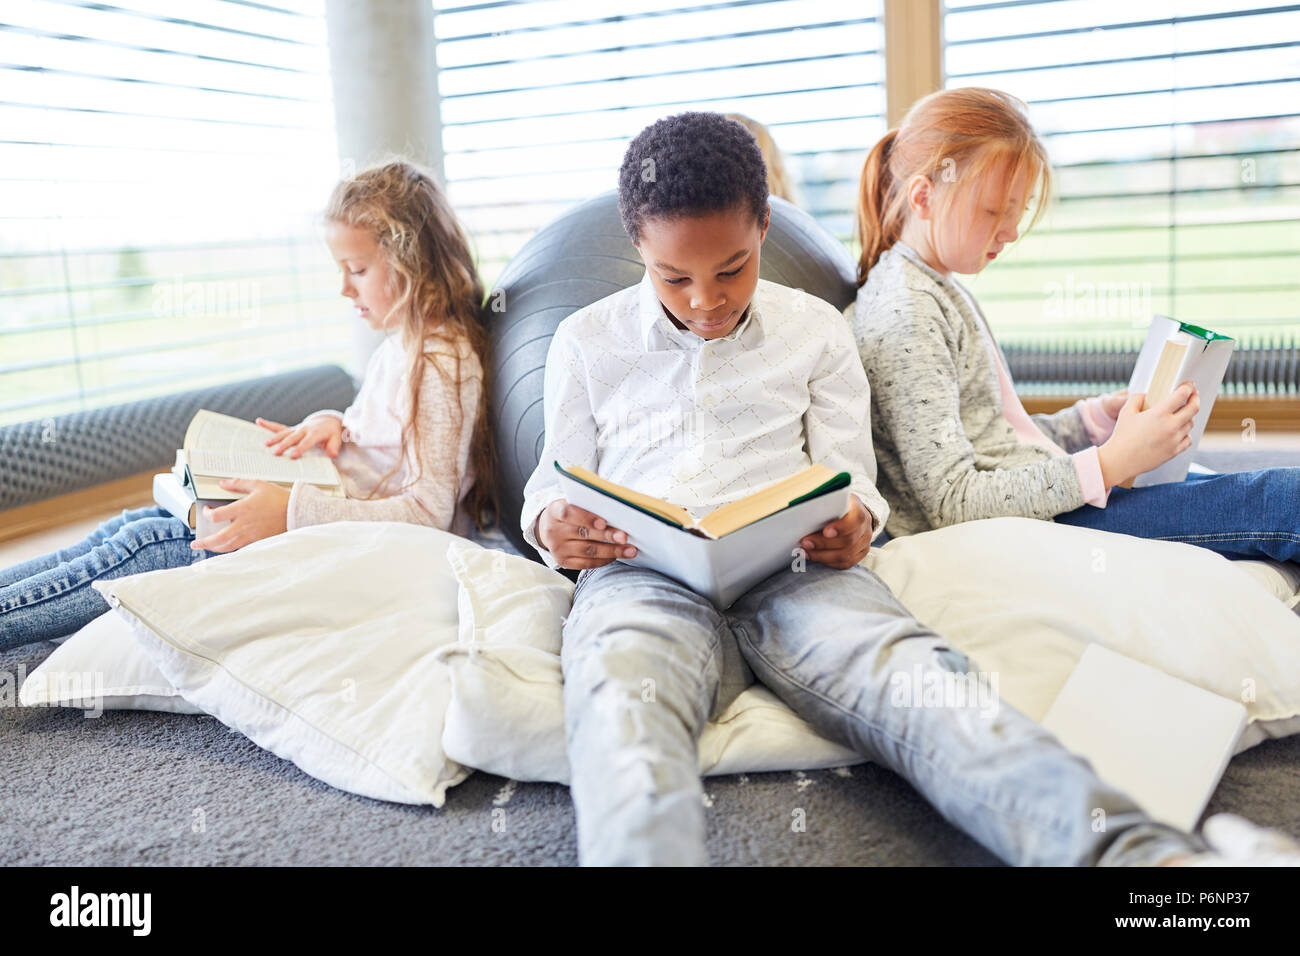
(955,138)
(778,180)
(435,287)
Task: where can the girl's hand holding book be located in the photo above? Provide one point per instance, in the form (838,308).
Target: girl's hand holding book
(260,515)
(1144,440)
(326,431)
(579,539)
(845,541)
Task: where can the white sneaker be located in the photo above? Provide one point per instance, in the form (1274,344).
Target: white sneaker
(1235,841)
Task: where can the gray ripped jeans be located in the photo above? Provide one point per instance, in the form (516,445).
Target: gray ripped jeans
(647,662)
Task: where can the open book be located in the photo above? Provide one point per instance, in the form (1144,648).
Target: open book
(218,446)
(726,552)
(1177,352)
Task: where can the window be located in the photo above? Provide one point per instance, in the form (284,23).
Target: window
(539,99)
(162,167)
(1174,130)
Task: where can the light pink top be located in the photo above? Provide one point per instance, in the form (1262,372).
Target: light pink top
(372,446)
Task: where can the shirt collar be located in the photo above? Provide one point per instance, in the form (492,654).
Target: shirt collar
(658,331)
(908,252)
(948,280)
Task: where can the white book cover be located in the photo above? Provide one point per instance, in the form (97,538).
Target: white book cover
(170,494)
(721,569)
(1205,363)
(1161,740)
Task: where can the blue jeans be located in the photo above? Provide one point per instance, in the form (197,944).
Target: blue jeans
(647,662)
(1246,514)
(50,596)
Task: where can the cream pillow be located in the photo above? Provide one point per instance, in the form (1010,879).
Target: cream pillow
(319,646)
(1022,598)
(1280,577)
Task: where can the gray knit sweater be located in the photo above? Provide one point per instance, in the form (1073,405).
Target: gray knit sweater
(946,454)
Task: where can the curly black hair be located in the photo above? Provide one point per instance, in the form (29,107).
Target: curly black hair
(691,164)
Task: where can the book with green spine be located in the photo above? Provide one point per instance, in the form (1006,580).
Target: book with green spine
(1177,352)
(723,554)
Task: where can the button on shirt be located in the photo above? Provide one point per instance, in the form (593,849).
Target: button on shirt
(703,422)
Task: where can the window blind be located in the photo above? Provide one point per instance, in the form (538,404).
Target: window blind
(162,167)
(539,99)
(1174,130)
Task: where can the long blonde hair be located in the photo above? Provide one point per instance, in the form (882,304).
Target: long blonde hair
(956,136)
(438,296)
(778,180)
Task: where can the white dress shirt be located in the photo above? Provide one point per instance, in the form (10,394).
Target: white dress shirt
(703,422)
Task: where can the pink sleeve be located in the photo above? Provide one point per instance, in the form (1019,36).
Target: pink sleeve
(1088,467)
(1096,422)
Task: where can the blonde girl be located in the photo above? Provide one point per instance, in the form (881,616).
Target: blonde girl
(414,446)
(778,180)
(945,193)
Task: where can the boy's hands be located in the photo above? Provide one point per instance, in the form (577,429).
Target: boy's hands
(326,431)
(845,541)
(262,514)
(1145,440)
(579,539)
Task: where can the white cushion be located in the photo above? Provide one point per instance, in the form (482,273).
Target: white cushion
(319,646)
(506,713)
(102,667)
(508,599)
(104,661)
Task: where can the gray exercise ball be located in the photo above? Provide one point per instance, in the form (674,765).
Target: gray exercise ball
(579,259)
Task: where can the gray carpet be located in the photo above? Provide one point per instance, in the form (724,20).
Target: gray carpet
(145,788)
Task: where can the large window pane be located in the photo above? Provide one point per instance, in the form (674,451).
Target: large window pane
(539,99)
(1174,128)
(162,168)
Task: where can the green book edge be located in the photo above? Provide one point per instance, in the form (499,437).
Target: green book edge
(1200,332)
(835,482)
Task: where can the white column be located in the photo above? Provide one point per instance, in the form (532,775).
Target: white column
(385,79)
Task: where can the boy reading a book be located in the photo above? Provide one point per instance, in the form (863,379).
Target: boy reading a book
(700,385)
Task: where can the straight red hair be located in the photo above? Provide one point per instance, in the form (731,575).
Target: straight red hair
(953,137)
